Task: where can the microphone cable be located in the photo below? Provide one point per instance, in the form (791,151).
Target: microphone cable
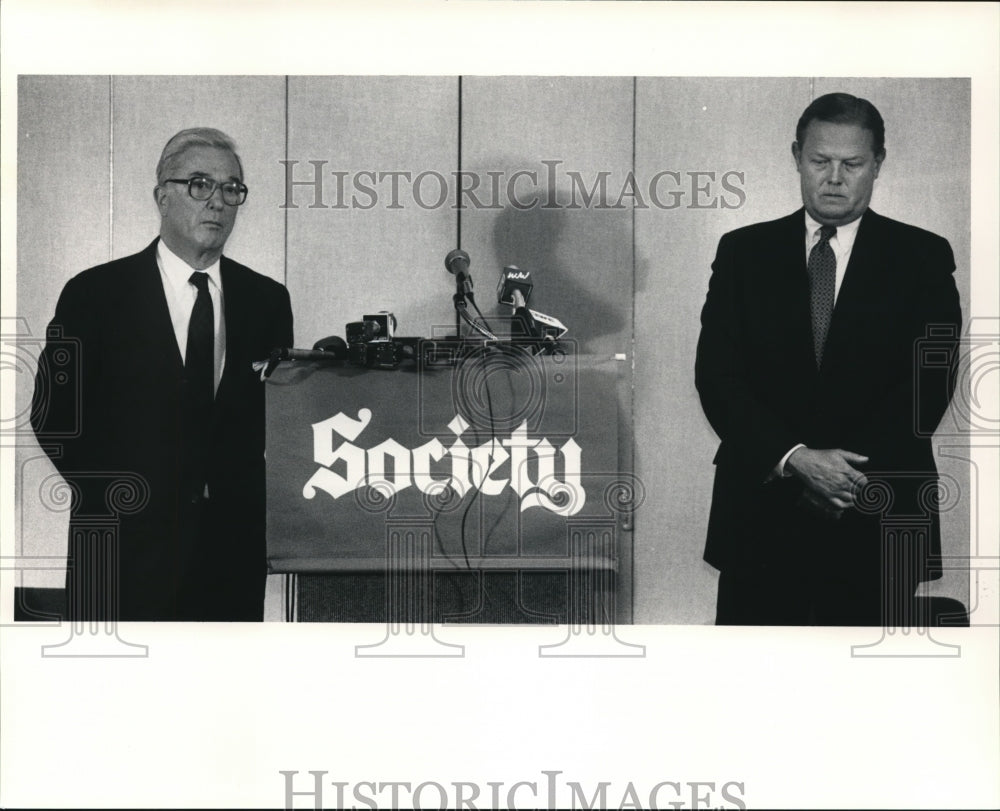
(468,319)
(489,466)
(479,312)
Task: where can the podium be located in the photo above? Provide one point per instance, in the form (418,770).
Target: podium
(492,486)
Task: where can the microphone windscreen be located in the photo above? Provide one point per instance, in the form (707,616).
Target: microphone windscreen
(457,261)
(513,278)
(334,344)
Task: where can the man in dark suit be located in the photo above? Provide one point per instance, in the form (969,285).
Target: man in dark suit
(167,399)
(807,370)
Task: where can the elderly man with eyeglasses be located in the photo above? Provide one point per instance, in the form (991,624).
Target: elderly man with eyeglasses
(166,399)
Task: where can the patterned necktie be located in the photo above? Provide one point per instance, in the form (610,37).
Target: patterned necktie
(822,278)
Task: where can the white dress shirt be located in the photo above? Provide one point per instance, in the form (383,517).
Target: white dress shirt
(842,244)
(181,295)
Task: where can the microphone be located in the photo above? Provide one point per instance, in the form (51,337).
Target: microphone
(289,353)
(331,348)
(266,367)
(514,280)
(334,345)
(552,329)
(523,322)
(513,289)
(325,350)
(457,262)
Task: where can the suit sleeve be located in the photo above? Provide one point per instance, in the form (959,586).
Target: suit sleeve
(914,406)
(941,312)
(281,321)
(68,367)
(751,433)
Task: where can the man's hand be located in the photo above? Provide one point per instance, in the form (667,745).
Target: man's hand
(830,476)
(811,502)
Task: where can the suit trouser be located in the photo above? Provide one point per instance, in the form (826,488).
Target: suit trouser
(874,586)
(224,581)
(213,569)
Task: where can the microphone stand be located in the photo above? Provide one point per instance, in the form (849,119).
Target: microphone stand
(460,307)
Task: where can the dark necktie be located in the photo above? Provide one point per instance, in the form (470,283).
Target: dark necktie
(822,279)
(199,368)
(199,360)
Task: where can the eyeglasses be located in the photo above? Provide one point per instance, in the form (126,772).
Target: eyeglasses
(202,188)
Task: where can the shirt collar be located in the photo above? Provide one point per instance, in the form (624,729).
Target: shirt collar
(845,236)
(178,271)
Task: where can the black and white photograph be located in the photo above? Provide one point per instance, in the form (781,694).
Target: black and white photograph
(538,504)
(433,427)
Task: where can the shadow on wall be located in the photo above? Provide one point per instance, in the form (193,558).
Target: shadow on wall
(579,256)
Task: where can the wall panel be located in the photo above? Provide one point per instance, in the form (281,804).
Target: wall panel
(561,150)
(748,125)
(925,178)
(148,110)
(926,181)
(692,125)
(580,257)
(373,253)
(63,227)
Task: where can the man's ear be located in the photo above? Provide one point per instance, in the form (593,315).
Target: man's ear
(159,196)
(878,162)
(797,154)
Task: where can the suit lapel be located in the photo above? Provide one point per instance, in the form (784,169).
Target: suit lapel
(792,289)
(234,315)
(151,312)
(854,290)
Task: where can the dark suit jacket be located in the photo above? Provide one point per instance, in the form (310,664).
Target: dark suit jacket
(126,389)
(762,393)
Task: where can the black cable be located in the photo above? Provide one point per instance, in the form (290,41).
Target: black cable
(510,491)
(489,466)
(479,312)
(488,334)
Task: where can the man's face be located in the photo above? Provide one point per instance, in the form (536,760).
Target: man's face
(837,168)
(197,226)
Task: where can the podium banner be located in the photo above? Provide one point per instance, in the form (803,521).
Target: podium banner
(497,460)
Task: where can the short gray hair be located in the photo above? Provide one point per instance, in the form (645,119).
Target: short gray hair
(196,136)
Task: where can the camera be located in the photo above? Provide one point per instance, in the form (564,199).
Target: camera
(371,342)
(372,328)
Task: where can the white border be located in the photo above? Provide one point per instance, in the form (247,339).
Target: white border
(211,717)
